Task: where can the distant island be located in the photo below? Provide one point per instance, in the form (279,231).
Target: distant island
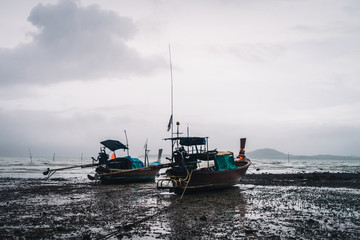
(268,153)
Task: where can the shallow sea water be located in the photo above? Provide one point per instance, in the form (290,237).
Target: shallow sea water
(304,165)
(25,168)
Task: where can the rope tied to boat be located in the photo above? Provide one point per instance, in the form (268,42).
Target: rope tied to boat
(187,179)
(187,183)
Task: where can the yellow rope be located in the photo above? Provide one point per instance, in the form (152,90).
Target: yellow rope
(186,185)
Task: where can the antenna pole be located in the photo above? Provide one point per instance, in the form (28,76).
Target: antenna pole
(30,155)
(146,154)
(127,144)
(172,93)
(172,106)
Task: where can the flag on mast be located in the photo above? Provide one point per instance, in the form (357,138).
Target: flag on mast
(170,123)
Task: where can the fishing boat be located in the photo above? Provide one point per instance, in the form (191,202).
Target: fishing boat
(114,169)
(124,169)
(194,166)
(198,168)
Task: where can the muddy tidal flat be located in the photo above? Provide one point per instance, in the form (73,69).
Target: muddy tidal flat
(265,206)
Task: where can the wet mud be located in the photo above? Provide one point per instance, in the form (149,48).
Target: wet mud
(73,209)
(315,179)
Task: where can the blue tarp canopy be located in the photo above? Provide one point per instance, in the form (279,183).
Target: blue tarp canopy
(113,145)
(189,141)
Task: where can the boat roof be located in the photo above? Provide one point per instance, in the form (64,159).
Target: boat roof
(189,141)
(113,145)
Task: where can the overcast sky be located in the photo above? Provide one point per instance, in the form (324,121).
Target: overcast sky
(284,74)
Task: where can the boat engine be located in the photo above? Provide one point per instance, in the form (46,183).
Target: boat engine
(183,158)
(103,157)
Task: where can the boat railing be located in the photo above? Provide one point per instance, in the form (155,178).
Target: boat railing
(165,184)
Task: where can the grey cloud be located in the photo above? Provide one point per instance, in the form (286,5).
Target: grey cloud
(74,43)
(257,52)
(46,132)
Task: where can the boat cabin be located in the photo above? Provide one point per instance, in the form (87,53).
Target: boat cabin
(191,151)
(114,162)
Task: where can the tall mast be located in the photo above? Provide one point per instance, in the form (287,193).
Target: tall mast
(172,93)
(30,155)
(172,106)
(146,154)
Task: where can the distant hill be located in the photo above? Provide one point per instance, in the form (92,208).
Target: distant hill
(268,153)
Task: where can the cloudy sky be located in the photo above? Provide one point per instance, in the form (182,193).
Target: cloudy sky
(284,74)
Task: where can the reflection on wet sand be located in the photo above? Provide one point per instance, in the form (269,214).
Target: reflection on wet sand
(210,213)
(60,209)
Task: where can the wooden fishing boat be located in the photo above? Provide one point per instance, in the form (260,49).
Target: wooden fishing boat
(119,169)
(143,174)
(197,168)
(123,169)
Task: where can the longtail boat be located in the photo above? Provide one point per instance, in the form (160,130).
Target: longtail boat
(123,169)
(198,168)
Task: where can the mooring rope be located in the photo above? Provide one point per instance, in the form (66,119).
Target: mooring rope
(128,227)
(187,183)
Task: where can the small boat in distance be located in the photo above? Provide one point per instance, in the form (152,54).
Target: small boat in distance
(198,168)
(124,169)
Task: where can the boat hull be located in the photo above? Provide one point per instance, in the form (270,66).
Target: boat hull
(141,175)
(204,178)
